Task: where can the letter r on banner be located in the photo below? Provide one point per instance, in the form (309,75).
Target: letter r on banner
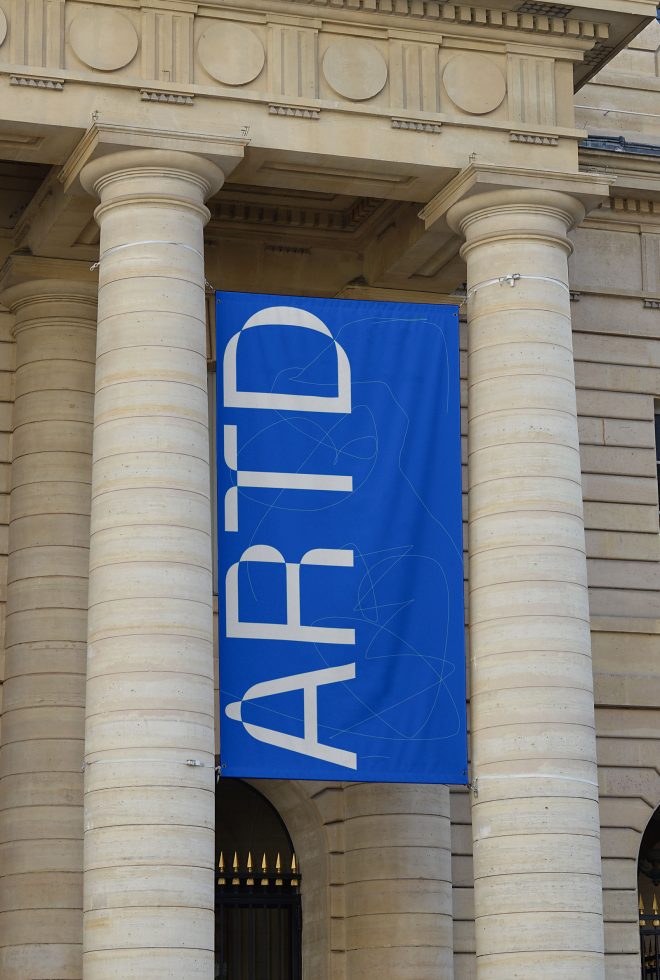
(292,629)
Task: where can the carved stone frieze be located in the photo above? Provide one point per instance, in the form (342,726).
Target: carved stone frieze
(417,77)
(414,74)
(36,33)
(231,53)
(287,55)
(354,68)
(166,45)
(293,69)
(103,39)
(531,83)
(474,83)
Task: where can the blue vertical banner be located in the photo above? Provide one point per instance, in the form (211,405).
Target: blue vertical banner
(340,540)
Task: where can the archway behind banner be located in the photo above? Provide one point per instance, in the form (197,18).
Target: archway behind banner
(648,883)
(258,884)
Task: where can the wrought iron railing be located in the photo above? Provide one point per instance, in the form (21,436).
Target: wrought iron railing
(649,940)
(258,919)
(246,876)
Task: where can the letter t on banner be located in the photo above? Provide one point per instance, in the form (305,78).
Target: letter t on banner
(340,541)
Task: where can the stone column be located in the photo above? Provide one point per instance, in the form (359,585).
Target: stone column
(535,800)
(41,792)
(398,903)
(149,780)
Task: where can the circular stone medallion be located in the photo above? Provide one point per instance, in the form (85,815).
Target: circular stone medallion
(231,53)
(3,26)
(354,69)
(103,39)
(474,83)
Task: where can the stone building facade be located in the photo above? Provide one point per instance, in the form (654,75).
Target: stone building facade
(507,155)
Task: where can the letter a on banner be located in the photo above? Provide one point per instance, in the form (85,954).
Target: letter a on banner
(308,683)
(340,540)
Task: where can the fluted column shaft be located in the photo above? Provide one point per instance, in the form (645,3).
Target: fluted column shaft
(149,816)
(398,902)
(535,802)
(41,821)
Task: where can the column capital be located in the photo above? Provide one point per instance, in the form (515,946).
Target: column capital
(26,280)
(211,157)
(482,188)
(162,176)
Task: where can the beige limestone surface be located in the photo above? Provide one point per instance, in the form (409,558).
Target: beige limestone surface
(535,796)
(353,119)
(42,742)
(149,746)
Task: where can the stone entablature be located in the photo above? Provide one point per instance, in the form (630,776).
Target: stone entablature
(433,61)
(302,83)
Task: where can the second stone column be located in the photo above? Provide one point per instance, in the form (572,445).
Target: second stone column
(535,794)
(149,781)
(398,882)
(41,794)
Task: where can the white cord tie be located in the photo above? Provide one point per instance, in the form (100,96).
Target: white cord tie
(116,248)
(194,763)
(510,279)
